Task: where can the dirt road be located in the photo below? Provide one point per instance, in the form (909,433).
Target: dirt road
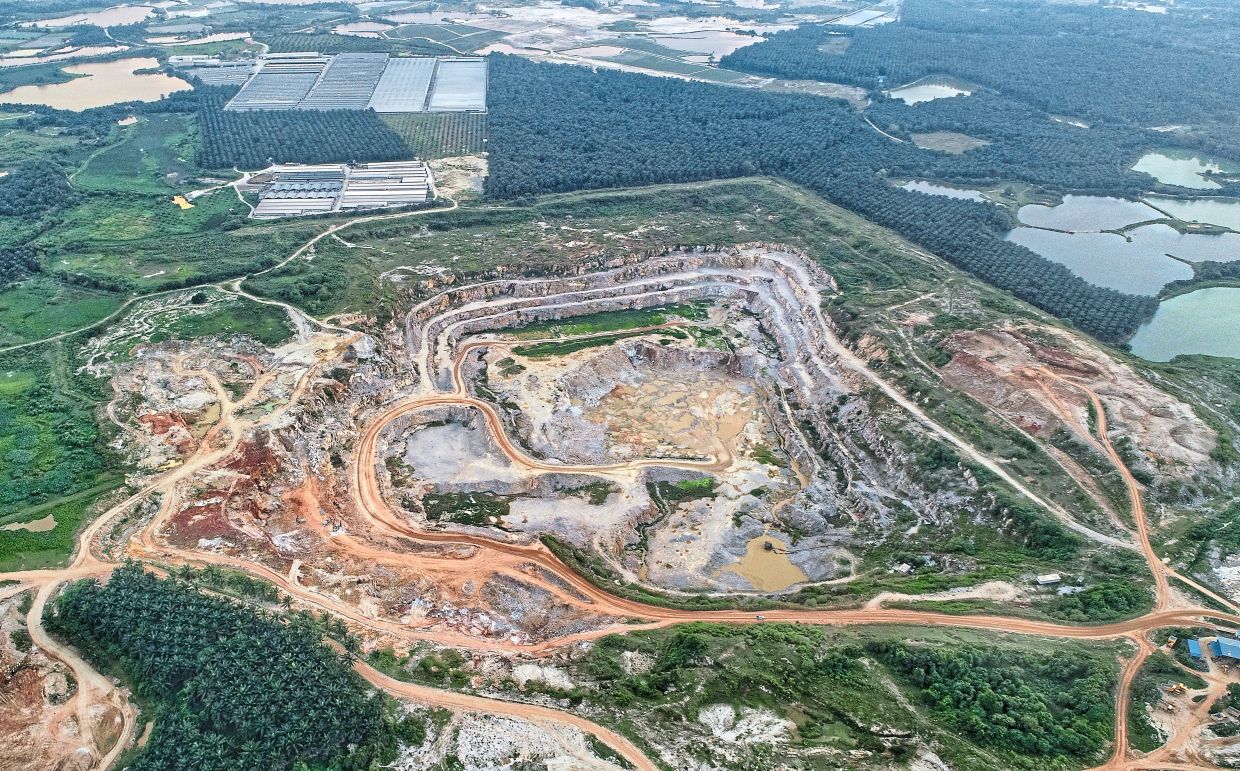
(531,712)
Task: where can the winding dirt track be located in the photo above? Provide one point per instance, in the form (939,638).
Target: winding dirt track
(223,440)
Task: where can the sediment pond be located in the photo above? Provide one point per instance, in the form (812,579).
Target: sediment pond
(1203,322)
(930,188)
(916,93)
(1224,212)
(1138,266)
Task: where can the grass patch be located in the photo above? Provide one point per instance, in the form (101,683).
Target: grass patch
(26,550)
(983,701)
(42,306)
(612,321)
(267,324)
(477,509)
(154,157)
(552,349)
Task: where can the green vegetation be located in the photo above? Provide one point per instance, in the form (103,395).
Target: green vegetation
(1047,56)
(671,494)
(41,306)
(267,324)
(1107,601)
(198,659)
(228,581)
(555,348)
(478,509)
(611,321)
(441,134)
(334,44)
(764,454)
(985,705)
(441,668)
(1228,700)
(154,157)
(22,549)
(34,189)
(1055,707)
(49,441)
(595,493)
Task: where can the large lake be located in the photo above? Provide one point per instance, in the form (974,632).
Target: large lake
(1204,321)
(1087,213)
(1182,168)
(101,83)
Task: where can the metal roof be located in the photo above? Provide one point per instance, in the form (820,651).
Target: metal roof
(1226,646)
(1194,649)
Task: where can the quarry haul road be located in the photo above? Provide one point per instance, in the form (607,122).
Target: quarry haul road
(371,505)
(531,712)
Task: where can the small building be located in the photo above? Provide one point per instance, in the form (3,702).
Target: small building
(1050,579)
(1225,647)
(1194,649)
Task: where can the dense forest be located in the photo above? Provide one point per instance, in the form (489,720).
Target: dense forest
(249,140)
(236,688)
(1056,707)
(557,128)
(1086,61)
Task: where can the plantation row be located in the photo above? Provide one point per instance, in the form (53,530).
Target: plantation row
(441,134)
(563,128)
(249,140)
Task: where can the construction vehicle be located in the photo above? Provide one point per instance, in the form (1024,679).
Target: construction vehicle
(1177,688)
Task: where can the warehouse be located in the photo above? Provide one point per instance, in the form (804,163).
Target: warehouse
(300,190)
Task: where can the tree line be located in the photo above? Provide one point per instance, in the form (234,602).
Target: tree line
(556,129)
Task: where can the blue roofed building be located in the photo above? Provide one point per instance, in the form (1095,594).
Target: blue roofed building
(1194,649)
(1227,647)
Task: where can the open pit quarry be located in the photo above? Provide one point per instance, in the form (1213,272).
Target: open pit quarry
(755,400)
(728,444)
